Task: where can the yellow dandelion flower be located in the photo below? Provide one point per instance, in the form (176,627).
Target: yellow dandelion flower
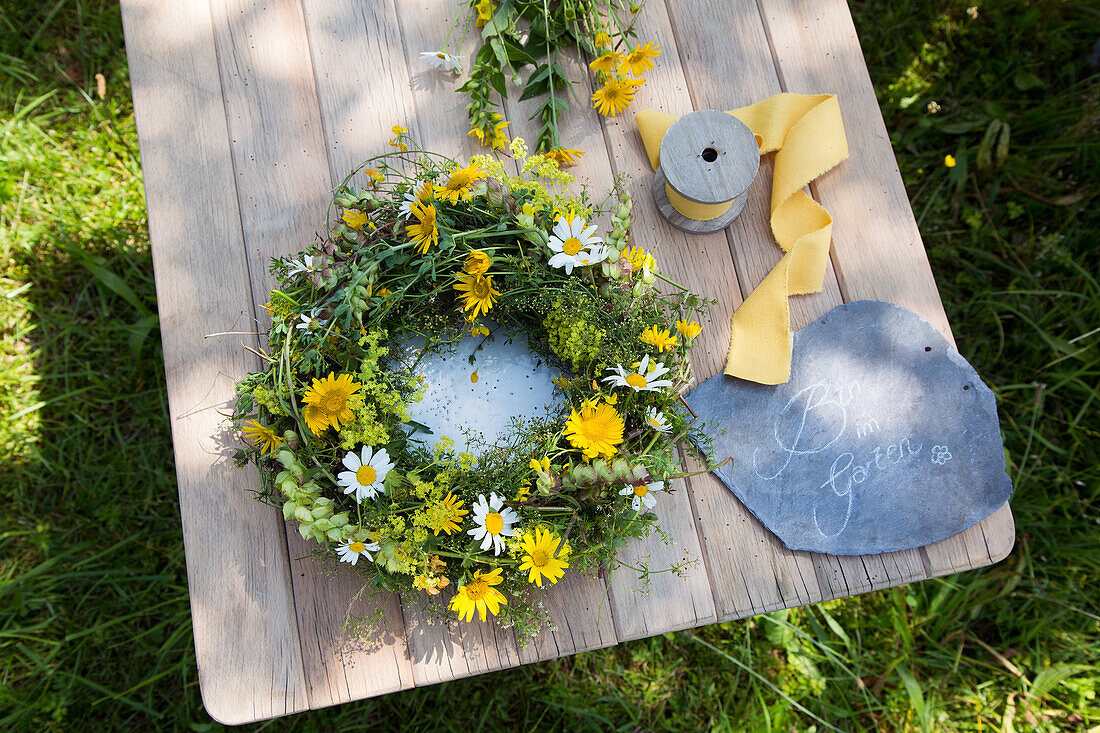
(316,419)
(564,157)
(540,556)
(478,293)
(659,339)
(602,40)
(424,233)
(607,63)
(331,396)
(639,259)
(262,437)
(949,161)
(479,595)
(688,330)
(355,218)
(446,515)
(639,60)
(595,430)
(461,184)
(477,262)
(614,96)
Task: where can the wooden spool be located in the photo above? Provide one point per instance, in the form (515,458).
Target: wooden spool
(709,157)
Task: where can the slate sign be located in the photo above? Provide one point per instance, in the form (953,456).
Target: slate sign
(884,438)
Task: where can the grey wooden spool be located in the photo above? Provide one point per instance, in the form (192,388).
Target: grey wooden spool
(709,157)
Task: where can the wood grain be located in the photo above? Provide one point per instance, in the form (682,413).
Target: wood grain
(246,638)
(255,110)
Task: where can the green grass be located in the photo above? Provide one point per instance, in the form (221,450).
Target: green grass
(94,621)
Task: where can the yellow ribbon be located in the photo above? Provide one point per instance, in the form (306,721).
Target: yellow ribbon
(808,133)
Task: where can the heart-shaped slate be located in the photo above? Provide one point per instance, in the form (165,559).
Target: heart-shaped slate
(883,439)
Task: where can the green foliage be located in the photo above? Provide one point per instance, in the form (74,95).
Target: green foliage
(95,627)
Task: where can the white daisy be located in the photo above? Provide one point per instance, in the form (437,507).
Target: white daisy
(644,379)
(308,264)
(308,319)
(642,494)
(442,60)
(574,243)
(656,419)
(350,552)
(407,204)
(366,473)
(493,522)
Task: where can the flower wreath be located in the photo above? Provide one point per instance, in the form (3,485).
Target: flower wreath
(428,248)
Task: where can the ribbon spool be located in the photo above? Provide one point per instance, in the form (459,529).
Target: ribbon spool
(708,160)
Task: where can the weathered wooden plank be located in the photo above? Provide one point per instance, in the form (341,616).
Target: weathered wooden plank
(349,43)
(876,243)
(668,601)
(246,638)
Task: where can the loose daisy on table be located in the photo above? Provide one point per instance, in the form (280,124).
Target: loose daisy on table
(596,430)
(574,243)
(639,60)
(461,184)
(659,338)
(366,474)
(479,595)
(642,495)
(645,378)
(541,556)
(330,396)
(424,233)
(442,60)
(262,437)
(478,293)
(494,522)
(656,419)
(615,96)
(351,550)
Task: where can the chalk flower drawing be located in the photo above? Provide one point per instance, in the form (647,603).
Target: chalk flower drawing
(940,454)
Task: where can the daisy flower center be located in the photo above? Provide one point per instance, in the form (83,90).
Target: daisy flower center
(333,403)
(571,246)
(494,523)
(640,491)
(357,547)
(477,589)
(637,381)
(481,288)
(366,475)
(653,421)
(540,558)
(441,55)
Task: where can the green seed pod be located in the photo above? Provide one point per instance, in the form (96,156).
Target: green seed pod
(339,520)
(292,439)
(605,269)
(323,525)
(621,469)
(333,535)
(613,254)
(288,510)
(289,487)
(648,277)
(603,470)
(303,515)
(584,474)
(306,530)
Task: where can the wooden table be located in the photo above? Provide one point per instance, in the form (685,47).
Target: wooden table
(248,114)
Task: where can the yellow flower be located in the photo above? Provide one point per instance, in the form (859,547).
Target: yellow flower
(540,556)
(376,178)
(480,595)
(612,400)
(331,396)
(431,583)
(383,293)
(355,218)
(477,262)
(949,161)
(564,157)
(478,293)
(542,466)
(484,12)
(607,63)
(659,339)
(638,61)
(315,418)
(479,331)
(396,142)
(496,140)
(595,430)
(639,259)
(261,437)
(398,130)
(602,40)
(614,96)
(688,330)
(424,233)
(446,515)
(522,494)
(461,183)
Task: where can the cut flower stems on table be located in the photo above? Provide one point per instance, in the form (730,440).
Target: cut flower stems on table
(429,249)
